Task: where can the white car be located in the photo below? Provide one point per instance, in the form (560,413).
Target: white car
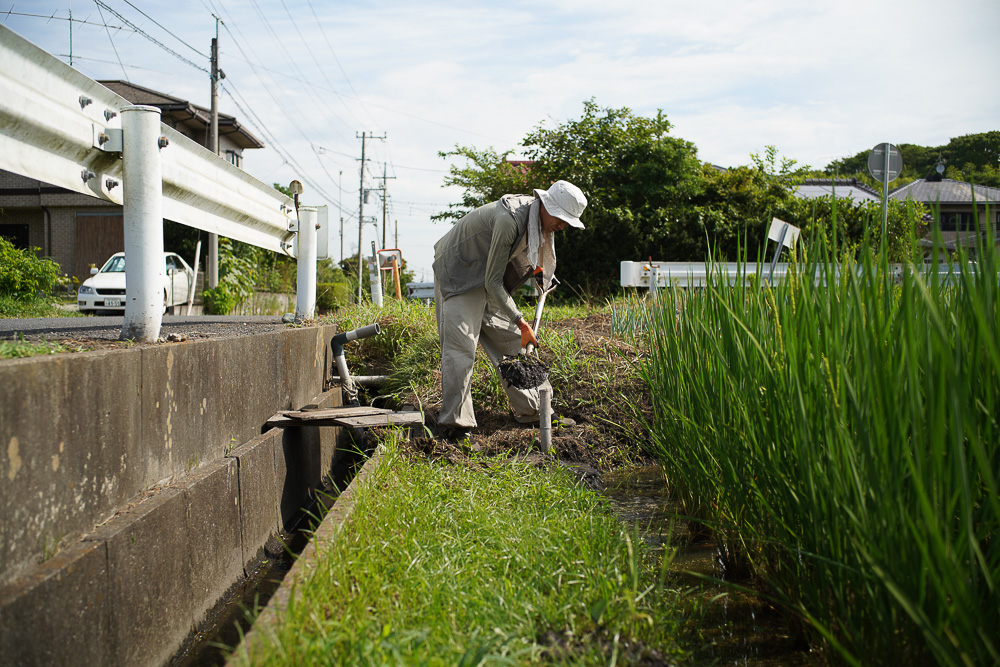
(105,289)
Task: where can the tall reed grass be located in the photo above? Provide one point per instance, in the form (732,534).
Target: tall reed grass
(841,437)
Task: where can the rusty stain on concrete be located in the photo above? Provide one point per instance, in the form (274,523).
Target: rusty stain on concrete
(55,457)
(14,458)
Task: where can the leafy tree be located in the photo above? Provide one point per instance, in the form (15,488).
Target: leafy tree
(635,175)
(487,177)
(974,158)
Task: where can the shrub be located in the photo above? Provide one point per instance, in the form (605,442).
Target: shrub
(331,296)
(23,275)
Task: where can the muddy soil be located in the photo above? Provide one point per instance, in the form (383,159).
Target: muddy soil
(608,431)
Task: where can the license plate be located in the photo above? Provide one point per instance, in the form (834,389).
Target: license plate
(112,303)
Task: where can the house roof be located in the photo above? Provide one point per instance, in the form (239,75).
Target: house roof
(947,191)
(849,188)
(185,115)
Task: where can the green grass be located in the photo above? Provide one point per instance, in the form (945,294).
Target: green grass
(842,439)
(505,564)
(21,348)
(11,307)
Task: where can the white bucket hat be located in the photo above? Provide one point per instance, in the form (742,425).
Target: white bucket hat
(565,201)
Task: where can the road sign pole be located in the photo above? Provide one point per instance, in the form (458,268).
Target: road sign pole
(885,198)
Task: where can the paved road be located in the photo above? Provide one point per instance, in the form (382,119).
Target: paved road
(106,327)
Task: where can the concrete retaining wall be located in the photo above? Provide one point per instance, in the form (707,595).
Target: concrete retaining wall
(135,488)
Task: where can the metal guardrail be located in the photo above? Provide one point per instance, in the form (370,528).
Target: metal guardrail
(60,127)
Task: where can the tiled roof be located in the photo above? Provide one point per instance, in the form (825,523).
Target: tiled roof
(184,111)
(946,191)
(812,188)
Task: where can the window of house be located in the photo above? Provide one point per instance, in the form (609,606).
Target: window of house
(958,222)
(235,158)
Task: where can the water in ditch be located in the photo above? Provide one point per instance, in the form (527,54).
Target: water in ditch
(233,616)
(726,626)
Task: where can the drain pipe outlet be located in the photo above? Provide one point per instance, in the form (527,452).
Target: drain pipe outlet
(545,422)
(337,345)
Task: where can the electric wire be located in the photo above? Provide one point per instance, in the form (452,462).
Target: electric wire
(139,30)
(268,88)
(321,69)
(310,89)
(164,29)
(259,125)
(113,47)
(337,60)
(53,17)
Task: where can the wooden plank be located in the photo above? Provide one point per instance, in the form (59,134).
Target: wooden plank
(331,413)
(394,419)
(382,418)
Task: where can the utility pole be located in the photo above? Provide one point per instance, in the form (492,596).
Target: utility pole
(361,207)
(213,145)
(385,201)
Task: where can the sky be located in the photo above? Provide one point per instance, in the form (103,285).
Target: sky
(819,81)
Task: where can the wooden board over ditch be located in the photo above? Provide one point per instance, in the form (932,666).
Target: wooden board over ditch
(349,416)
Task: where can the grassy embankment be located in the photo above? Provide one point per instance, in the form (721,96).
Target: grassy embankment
(503,562)
(842,440)
(491,560)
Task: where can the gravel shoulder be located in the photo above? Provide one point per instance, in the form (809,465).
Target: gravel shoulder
(102,332)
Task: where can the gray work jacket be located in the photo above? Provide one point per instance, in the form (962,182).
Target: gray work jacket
(480,250)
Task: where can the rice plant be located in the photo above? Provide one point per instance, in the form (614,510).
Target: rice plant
(839,431)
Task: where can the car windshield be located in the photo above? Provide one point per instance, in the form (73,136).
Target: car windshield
(115,265)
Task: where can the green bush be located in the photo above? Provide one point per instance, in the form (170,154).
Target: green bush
(331,296)
(219,300)
(236,281)
(23,275)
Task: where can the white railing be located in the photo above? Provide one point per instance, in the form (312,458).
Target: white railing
(60,127)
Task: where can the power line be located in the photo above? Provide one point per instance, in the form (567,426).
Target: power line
(139,30)
(113,47)
(322,69)
(322,31)
(164,29)
(53,17)
(250,114)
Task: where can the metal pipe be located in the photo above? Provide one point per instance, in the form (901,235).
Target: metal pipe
(545,419)
(347,382)
(365,380)
(305,262)
(143,218)
(194,278)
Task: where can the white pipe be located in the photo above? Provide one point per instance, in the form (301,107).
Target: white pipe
(305,283)
(142,194)
(375,278)
(194,278)
(545,420)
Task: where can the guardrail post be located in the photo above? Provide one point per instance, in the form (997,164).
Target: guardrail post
(142,195)
(305,277)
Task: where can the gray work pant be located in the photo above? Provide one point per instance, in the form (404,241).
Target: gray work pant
(463,321)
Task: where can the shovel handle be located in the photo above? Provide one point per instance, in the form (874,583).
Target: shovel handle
(538,313)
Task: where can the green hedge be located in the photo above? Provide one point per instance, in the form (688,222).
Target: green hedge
(330,296)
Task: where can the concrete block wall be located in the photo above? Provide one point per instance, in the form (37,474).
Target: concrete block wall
(85,433)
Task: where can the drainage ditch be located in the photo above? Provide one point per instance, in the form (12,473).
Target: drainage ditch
(726,627)
(234,615)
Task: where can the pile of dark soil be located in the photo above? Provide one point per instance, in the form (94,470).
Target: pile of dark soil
(523,371)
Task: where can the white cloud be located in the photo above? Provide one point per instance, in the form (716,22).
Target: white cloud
(818,81)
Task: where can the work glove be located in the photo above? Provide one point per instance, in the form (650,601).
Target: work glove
(527,335)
